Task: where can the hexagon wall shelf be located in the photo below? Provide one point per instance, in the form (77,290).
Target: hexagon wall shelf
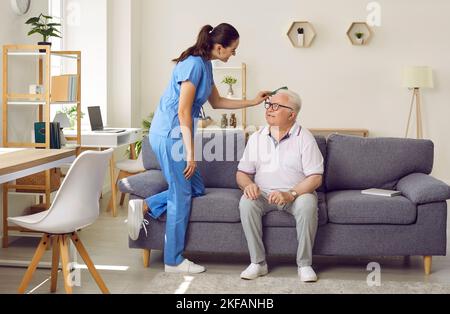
(301,34)
(359,28)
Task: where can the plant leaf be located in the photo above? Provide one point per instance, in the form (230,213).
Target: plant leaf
(32,20)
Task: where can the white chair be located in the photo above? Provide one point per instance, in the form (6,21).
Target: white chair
(127,168)
(75,207)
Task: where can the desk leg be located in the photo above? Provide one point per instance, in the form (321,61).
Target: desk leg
(5,216)
(48,188)
(112,165)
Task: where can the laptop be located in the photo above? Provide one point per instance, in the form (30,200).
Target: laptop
(95,117)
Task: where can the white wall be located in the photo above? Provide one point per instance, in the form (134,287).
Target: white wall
(342,86)
(124,26)
(86,30)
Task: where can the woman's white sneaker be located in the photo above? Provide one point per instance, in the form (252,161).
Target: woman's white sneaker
(254,271)
(185,267)
(307,274)
(135,218)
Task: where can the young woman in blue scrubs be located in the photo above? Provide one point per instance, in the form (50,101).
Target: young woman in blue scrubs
(192,84)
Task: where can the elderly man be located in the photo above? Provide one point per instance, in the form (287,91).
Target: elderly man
(281,168)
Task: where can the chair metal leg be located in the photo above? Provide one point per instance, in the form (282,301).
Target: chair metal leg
(90,265)
(34,263)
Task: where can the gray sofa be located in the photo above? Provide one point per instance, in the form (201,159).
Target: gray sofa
(350,223)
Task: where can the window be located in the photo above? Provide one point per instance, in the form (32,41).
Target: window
(84,28)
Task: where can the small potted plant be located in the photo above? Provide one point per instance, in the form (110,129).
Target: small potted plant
(359,38)
(71,112)
(42,25)
(300,37)
(146,124)
(230,81)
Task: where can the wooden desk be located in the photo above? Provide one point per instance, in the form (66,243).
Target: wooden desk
(328,132)
(99,140)
(18,163)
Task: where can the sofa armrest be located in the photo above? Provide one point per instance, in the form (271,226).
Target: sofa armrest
(420,188)
(144,184)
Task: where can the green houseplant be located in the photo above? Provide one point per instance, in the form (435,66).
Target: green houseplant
(230,81)
(146,123)
(43,25)
(71,112)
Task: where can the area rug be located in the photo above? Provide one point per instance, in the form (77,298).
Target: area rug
(231,284)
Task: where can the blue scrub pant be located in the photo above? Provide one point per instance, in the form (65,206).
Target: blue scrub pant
(176,200)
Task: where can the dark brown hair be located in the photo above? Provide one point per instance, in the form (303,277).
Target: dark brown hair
(223,34)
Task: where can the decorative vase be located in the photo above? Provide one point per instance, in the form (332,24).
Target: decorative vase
(360,41)
(230,91)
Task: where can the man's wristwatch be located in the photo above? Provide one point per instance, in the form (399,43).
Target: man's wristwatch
(294,194)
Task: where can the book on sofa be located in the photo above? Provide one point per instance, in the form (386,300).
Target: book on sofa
(381,192)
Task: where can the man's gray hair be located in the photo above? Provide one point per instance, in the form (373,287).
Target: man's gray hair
(294,99)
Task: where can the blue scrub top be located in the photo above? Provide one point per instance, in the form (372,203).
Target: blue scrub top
(199,72)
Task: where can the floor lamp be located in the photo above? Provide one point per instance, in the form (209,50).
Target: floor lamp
(415,78)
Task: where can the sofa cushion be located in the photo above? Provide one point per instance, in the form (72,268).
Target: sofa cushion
(322,143)
(149,157)
(221,152)
(217,205)
(353,207)
(278,218)
(355,163)
(144,184)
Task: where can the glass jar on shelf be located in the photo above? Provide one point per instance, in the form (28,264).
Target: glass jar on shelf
(224,121)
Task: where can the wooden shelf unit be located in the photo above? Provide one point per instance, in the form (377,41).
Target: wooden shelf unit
(359,27)
(309,34)
(226,70)
(42,101)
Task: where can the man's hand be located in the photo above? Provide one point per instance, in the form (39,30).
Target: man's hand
(280,198)
(252,192)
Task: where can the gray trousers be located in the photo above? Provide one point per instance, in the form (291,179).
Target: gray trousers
(305,211)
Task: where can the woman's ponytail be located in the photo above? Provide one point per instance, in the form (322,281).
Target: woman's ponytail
(223,34)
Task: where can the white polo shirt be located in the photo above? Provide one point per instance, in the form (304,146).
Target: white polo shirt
(281,166)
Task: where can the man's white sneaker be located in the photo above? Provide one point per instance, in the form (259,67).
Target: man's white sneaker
(185,267)
(136,219)
(307,274)
(254,271)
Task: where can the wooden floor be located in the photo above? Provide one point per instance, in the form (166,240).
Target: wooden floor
(122,270)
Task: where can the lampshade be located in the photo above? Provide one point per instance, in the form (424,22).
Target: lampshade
(418,77)
(63,120)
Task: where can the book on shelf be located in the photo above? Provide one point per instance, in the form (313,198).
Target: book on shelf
(39,134)
(64,88)
(381,192)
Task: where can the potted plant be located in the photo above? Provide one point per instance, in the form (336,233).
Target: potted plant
(359,38)
(42,25)
(146,123)
(230,81)
(71,112)
(300,37)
